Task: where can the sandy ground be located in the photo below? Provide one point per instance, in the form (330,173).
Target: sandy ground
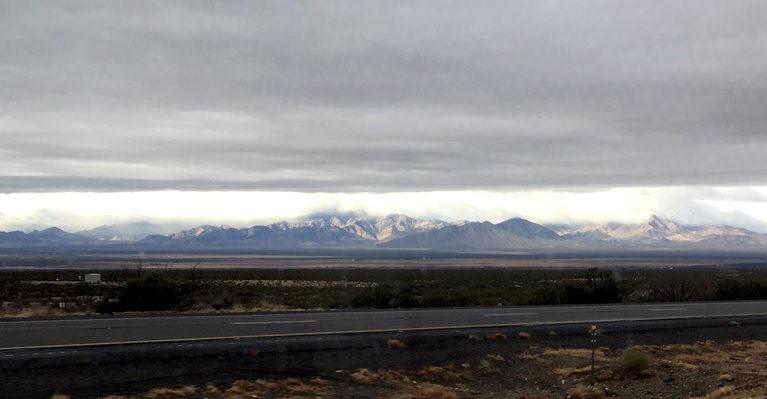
(364,259)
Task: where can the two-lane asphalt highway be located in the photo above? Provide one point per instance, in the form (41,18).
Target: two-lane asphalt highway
(81,331)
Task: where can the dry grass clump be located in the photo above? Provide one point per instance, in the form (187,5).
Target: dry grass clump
(211,390)
(581,392)
(605,375)
(705,353)
(719,393)
(749,348)
(603,350)
(665,363)
(433,391)
(258,387)
(688,366)
(294,385)
(487,368)
(168,393)
(704,358)
(474,337)
(726,377)
(548,364)
(707,344)
(653,349)
(566,372)
(523,335)
(319,381)
(394,376)
(495,337)
(395,343)
(366,376)
(495,358)
(444,374)
(731,392)
(426,391)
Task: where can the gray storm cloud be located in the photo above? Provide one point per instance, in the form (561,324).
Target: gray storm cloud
(381,96)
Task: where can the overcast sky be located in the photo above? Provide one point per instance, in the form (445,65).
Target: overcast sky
(234,112)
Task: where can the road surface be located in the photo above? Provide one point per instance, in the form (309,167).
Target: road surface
(105,330)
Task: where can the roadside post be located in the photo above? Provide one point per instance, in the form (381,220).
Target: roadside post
(593,333)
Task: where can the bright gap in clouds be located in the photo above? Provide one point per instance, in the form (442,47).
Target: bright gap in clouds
(743,207)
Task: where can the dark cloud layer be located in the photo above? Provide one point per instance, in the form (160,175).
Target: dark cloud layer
(381,96)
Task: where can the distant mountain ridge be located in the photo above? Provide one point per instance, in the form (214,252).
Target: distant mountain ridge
(658,231)
(125,232)
(379,229)
(313,231)
(398,231)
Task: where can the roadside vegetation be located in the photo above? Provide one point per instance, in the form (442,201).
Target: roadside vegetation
(138,289)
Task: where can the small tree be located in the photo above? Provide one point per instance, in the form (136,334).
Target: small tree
(674,290)
(600,287)
(153,291)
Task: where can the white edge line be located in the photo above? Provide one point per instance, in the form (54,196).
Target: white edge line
(509,314)
(273,322)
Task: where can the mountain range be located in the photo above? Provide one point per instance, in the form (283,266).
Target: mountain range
(397,231)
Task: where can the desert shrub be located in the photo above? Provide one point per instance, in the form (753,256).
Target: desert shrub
(599,287)
(448,298)
(547,296)
(633,361)
(386,296)
(152,292)
(730,289)
(675,289)
(381,297)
